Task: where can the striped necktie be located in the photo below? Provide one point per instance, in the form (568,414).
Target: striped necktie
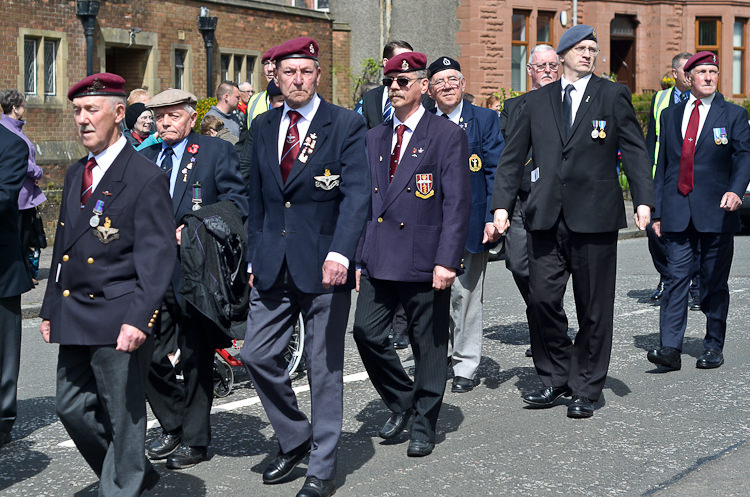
(387,109)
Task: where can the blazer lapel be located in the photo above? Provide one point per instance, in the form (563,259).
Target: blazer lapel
(316,136)
(556,105)
(410,160)
(184,179)
(383,169)
(467,117)
(712,119)
(584,109)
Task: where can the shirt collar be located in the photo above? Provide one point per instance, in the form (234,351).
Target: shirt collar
(704,101)
(454,116)
(107,157)
(308,110)
(178,148)
(412,121)
(579,85)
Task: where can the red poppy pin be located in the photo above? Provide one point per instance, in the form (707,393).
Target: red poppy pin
(193,149)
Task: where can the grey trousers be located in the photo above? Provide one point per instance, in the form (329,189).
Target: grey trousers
(467,297)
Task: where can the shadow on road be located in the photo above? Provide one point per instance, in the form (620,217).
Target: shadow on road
(512,334)
(23,460)
(691,346)
(642,296)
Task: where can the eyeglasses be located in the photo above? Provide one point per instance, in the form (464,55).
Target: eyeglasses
(581,50)
(402,81)
(451,82)
(541,67)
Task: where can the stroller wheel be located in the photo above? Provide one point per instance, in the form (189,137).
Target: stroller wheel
(293,355)
(223,377)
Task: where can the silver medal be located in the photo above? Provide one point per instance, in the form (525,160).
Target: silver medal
(94,221)
(595,134)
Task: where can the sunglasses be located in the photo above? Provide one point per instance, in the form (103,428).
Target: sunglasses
(402,81)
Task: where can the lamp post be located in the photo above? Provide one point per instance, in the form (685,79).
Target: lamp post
(86,10)
(207,27)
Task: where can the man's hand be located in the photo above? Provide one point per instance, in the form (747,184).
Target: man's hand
(730,202)
(130,338)
(334,274)
(501,221)
(44,330)
(656,226)
(642,216)
(357,277)
(178,234)
(442,277)
(491,235)
(250,280)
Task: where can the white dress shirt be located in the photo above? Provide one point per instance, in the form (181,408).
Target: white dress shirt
(702,113)
(303,124)
(411,124)
(104,160)
(454,116)
(576,95)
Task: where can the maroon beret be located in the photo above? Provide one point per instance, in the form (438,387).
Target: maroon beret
(268,55)
(103,83)
(303,47)
(406,62)
(701,58)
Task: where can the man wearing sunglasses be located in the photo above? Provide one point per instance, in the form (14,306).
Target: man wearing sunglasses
(447,87)
(411,250)
(542,69)
(576,127)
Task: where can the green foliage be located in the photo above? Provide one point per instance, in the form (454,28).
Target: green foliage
(203,106)
(370,72)
(642,106)
(504,95)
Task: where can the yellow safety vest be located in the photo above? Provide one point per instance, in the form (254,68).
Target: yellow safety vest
(661,102)
(258,104)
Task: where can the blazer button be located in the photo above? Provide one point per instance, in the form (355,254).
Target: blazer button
(150,325)
(156,311)
(283,232)
(91,296)
(380,219)
(287,204)
(66,293)
(402,226)
(90,260)
(62,224)
(408,188)
(66,258)
(376,189)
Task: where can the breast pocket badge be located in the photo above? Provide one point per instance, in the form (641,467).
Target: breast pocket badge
(424,186)
(475,163)
(328,181)
(106,233)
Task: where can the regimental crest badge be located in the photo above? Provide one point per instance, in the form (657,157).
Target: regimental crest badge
(328,181)
(715,60)
(446,62)
(475,163)
(312,49)
(96,85)
(424,186)
(107,233)
(405,65)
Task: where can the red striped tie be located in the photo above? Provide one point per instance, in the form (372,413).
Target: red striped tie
(396,154)
(687,157)
(87,185)
(290,150)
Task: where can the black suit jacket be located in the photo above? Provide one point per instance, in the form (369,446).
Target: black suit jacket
(577,176)
(14,155)
(97,284)
(372,106)
(508,116)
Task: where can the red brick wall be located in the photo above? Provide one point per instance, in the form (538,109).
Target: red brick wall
(340,56)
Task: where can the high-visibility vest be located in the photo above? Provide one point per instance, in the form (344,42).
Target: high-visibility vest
(661,102)
(258,104)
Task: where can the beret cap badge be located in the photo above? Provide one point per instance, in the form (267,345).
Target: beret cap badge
(446,61)
(405,65)
(312,49)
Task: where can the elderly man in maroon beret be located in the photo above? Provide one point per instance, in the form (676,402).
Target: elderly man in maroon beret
(111,245)
(702,171)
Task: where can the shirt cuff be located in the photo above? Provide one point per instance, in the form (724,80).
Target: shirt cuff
(249,268)
(336,257)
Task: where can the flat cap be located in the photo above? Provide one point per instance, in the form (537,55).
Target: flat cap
(103,83)
(303,47)
(576,34)
(406,62)
(171,96)
(443,63)
(701,58)
(268,55)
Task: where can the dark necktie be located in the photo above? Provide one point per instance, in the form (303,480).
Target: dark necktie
(387,109)
(291,145)
(687,157)
(87,185)
(166,161)
(567,110)
(396,150)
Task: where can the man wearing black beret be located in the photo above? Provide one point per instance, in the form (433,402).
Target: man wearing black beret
(574,210)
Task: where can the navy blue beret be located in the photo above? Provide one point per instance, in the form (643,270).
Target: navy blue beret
(576,34)
(443,63)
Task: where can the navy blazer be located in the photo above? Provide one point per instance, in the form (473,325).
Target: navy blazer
(14,154)
(717,169)
(97,282)
(421,219)
(322,206)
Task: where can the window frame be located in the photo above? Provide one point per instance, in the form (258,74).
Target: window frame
(44,95)
(546,14)
(522,43)
(709,48)
(248,65)
(743,53)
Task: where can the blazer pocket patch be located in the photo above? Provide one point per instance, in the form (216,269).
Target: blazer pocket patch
(118,289)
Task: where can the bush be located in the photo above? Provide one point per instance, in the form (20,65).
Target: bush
(203,106)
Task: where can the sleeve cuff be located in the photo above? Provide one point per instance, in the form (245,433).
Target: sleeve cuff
(336,257)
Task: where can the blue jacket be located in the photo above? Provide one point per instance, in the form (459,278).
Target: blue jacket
(717,169)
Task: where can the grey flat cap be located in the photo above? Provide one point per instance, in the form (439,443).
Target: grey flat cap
(171,96)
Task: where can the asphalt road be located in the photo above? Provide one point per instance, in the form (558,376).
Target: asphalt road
(676,434)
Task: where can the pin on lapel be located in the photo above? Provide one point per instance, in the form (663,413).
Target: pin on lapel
(107,193)
(588,97)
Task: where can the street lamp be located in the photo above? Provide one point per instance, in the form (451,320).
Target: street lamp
(207,26)
(86,10)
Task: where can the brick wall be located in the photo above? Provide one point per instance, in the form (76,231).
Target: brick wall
(342,85)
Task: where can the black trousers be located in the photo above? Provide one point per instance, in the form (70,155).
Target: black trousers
(428,314)
(591,259)
(183,407)
(10,359)
(100,401)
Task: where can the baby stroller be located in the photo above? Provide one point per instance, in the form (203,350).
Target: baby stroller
(224,360)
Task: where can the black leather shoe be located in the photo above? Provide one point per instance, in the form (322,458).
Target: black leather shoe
(315,487)
(400,341)
(581,407)
(695,304)
(462,385)
(150,480)
(283,464)
(656,296)
(395,424)
(528,352)
(419,448)
(163,445)
(4,438)
(545,397)
(186,457)
(711,358)
(667,357)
